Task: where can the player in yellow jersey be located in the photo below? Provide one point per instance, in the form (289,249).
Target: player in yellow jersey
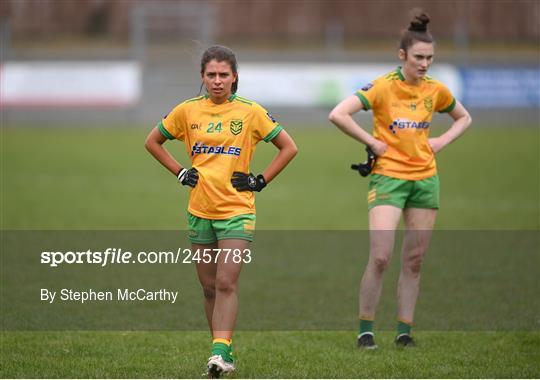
(220,131)
(404,178)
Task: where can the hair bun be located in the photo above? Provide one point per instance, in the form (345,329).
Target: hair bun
(419,23)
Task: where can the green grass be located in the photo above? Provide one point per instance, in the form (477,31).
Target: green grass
(270,355)
(104,179)
(472,280)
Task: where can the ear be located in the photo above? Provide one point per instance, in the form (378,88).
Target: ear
(402,54)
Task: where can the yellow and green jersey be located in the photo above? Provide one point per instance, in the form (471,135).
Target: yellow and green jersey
(402,115)
(220,139)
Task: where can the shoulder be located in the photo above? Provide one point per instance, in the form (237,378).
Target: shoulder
(248,105)
(186,104)
(192,101)
(391,77)
(394,76)
(182,110)
(434,83)
(382,82)
(372,93)
(237,99)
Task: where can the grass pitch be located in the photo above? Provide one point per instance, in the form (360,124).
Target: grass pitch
(104,179)
(270,354)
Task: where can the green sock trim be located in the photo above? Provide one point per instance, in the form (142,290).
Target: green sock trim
(224,350)
(403,328)
(365,326)
(231,354)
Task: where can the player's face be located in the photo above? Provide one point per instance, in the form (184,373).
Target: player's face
(416,60)
(218,79)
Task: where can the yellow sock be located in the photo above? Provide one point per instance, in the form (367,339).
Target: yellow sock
(222,340)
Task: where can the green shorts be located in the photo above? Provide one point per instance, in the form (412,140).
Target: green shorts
(402,193)
(208,231)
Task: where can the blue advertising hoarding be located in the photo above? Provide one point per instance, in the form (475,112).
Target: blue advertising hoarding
(490,87)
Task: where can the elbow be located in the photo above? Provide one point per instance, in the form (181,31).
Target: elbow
(466,121)
(469,120)
(147,144)
(293,150)
(332,116)
(337,118)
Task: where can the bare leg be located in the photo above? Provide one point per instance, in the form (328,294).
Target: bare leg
(383,221)
(226,305)
(419,225)
(207,278)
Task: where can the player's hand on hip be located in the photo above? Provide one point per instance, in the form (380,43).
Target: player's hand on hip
(188,177)
(248,182)
(436,144)
(378,147)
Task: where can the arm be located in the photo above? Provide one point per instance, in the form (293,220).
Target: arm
(341,116)
(249,182)
(154,144)
(462,120)
(287,151)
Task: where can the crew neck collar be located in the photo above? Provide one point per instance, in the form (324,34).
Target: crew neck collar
(399,72)
(229,99)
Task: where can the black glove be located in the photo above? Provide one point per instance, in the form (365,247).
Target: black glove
(188,177)
(365,168)
(248,182)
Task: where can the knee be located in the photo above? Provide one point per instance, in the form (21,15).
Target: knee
(413,264)
(225,285)
(381,262)
(209,291)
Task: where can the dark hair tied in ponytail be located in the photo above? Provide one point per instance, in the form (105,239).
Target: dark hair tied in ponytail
(417,31)
(419,23)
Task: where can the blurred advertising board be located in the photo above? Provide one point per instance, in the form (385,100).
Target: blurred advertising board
(487,87)
(117,84)
(65,84)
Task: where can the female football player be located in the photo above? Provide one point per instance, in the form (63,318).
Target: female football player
(220,131)
(404,180)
